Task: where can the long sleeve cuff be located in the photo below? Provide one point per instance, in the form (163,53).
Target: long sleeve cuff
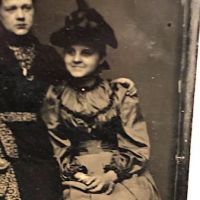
(121,164)
(121,174)
(68,174)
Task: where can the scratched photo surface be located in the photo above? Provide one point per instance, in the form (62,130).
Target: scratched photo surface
(149,53)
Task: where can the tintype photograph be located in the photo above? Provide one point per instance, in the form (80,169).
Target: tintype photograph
(96,98)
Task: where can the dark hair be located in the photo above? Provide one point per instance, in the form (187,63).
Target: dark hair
(101,49)
(32,1)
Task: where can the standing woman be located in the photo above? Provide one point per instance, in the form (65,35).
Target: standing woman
(28,170)
(98,133)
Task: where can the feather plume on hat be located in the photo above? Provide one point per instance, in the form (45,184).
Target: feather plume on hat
(82,5)
(84,25)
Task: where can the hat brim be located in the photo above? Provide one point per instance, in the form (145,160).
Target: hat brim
(58,38)
(64,38)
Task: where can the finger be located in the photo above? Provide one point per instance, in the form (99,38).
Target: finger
(65,183)
(83,178)
(89,180)
(130,84)
(98,188)
(130,91)
(94,184)
(124,81)
(121,80)
(110,188)
(69,183)
(80,175)
(75,184)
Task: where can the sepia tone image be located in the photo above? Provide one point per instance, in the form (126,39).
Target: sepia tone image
(93,99)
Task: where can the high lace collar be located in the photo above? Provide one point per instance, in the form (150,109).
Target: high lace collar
(78,83)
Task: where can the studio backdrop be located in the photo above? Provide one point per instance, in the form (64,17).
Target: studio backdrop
(149,53)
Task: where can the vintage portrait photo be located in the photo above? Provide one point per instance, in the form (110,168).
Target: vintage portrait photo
(93,102)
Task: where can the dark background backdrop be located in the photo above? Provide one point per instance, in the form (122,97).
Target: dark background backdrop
(149,35)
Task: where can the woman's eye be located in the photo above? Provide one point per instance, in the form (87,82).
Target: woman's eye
(70,51)
(27,7)
(10,9)
(87,52)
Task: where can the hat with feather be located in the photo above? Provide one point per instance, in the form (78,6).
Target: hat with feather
(85,25)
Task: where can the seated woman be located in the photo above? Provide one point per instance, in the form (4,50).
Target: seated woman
(99,136)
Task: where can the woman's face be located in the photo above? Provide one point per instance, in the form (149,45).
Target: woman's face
(17,15)
(81,60)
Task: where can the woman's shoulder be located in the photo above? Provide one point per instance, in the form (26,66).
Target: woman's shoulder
(123,86)
(55,91)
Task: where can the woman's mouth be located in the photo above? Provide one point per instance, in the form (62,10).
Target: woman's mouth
(77,66)
(21,26)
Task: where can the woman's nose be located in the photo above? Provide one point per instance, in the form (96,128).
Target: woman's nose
(77,58)
(20,14)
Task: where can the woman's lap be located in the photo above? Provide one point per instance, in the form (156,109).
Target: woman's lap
(135,188)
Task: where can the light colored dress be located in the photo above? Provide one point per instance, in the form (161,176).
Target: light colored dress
(96,130)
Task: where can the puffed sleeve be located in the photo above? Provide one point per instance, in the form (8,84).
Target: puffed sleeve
(57,132)
(133,140)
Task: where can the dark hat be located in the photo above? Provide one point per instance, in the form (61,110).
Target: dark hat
(85,25)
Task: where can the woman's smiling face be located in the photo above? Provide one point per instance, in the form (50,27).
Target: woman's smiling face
(81,60)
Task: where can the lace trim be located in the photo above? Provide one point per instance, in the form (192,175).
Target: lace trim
(9,188)
(25,56)
(89,118)
(6,137)
(8,141)
(18,117)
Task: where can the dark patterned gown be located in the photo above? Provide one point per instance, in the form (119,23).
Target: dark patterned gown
(28,170)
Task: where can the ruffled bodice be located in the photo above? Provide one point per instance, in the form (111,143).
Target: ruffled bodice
(106,117)
(88,111)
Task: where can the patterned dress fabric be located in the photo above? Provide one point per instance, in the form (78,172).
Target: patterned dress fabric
(26,156)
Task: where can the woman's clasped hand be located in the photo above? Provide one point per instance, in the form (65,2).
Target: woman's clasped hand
(94,183)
